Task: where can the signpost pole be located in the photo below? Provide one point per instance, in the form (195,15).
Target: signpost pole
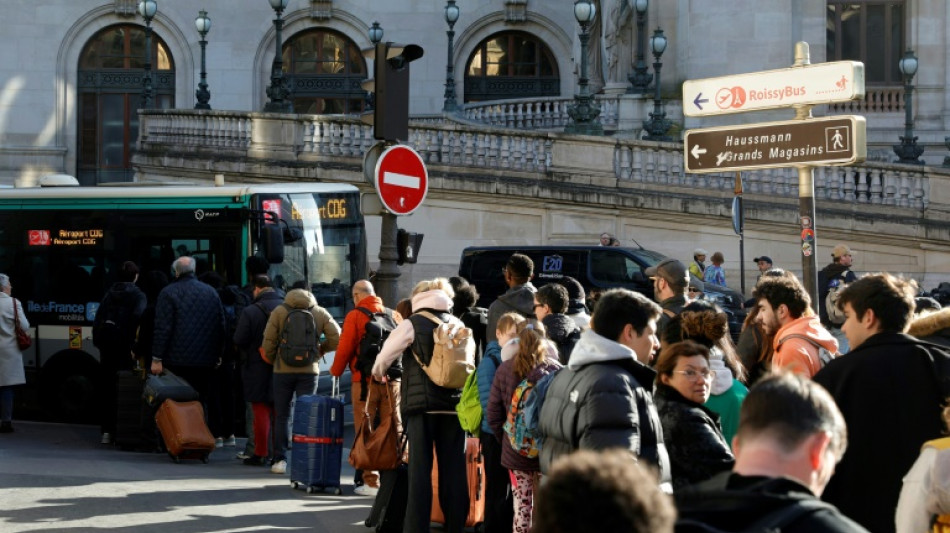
(387,277)
(740,216)
(806,214)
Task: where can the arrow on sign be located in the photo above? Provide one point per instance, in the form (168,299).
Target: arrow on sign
(697,151)
(700,100)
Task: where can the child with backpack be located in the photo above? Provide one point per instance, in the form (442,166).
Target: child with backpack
(499,507)
(512,386)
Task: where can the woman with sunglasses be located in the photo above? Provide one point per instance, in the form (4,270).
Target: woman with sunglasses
(692,433)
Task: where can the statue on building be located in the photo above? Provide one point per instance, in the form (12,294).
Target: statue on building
(617,15)
(595,52)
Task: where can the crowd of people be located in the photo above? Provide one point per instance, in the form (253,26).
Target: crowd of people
(650,417)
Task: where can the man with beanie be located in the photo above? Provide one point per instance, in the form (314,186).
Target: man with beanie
(698,267)
(835,276)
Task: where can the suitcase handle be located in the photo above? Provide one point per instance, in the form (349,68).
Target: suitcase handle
(335,386)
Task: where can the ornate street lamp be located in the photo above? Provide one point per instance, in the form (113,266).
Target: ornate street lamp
(640,78)
(277,93)
(907,150)
(451,16)
(203,24)
(658,125)
(584,111)
(147,8)
(375,36)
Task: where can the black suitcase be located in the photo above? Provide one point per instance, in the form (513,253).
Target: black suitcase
(167,386)
(135,423)
(389,509)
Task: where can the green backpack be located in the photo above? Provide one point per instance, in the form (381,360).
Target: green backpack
(469,407)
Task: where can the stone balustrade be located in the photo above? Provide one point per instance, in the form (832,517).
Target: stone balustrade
(537,113)
(604,162)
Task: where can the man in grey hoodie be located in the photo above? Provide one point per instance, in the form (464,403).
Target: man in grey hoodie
(603,398)
(519,297)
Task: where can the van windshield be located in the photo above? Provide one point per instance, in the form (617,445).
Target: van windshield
(649,257)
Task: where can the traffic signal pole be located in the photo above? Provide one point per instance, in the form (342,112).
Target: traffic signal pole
(387,276)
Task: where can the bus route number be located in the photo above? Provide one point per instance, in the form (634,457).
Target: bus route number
(552,263)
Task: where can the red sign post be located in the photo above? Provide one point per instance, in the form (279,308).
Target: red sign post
(402,179)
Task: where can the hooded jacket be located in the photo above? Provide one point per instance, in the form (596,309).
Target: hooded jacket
(298,299)
(418,394)
(799,355)
(727,395)
(934,327)
(256,375)
(564,332)
(602,400)
(694,440)
(519,298)
(128,300)
(828,274)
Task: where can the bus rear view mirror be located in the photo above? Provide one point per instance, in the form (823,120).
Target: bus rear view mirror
(272,241)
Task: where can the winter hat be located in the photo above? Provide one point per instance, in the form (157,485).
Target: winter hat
(840,250)
(722,380)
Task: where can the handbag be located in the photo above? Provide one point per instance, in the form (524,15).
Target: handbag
(376,448)
(23,338)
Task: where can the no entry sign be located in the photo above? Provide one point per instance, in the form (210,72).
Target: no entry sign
(402,179)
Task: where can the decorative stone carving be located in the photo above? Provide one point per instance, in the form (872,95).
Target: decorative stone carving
(516,11)
(126,8)
(321,9)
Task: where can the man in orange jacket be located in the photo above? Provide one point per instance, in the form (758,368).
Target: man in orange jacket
(383,398)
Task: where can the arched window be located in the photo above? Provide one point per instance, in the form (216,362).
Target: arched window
(110,93)
(324,70)
(511,64)
(870,31)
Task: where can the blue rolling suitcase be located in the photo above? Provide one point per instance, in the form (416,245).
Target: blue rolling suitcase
(316,453)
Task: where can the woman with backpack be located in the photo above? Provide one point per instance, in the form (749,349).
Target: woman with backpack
(511,386)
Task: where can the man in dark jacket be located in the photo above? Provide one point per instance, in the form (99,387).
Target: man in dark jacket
(520,295)
(790,437)
(890,388)
(603,399)
(670,283)
(189,329)
(256,375)
(113,332)
(836,274)
(550,306)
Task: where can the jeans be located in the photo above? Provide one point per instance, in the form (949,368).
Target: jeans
(445,433)
(285,386)
(6,403)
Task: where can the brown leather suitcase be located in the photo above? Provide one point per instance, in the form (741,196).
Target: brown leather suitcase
(183,428)
(475,479)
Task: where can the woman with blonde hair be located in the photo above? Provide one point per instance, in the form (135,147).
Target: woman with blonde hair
(532,362)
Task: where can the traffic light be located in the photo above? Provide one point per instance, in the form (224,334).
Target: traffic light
(408,245)
(390,83)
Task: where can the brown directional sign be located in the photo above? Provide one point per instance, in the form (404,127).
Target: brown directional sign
(838,140)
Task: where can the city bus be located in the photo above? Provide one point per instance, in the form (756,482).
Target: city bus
(62,246)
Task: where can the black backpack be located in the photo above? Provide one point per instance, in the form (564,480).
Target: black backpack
(299,341)
(375,333)
(111,330)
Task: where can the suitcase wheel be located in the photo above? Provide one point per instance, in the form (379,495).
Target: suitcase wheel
(175,458)
(311,490)
(205,459)
(338,491)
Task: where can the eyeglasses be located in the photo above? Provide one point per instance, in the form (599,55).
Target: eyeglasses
(538,305)
(693,375)
(694,289)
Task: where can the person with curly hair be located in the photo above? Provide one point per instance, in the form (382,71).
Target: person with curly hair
(708,325)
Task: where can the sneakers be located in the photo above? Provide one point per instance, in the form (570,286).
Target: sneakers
(219,442)
(6,427)
(230,442)
(106,438)
(365,490)
(279,467)
(243,455)
(256,460)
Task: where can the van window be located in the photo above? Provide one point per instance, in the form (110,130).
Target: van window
(608,266)
(557,264)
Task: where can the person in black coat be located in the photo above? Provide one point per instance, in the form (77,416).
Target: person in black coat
(692,432)
(475,318)
(550,304)
(890,388)
(256,374)
(113,333)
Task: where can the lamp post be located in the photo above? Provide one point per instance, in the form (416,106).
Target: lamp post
(277,92)
(375,36)
(658,125)
(584,111)
(907,150)
(147,8)
(451,16)
(203,25)
(640,78)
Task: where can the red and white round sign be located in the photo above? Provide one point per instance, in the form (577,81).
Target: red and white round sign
(402,179)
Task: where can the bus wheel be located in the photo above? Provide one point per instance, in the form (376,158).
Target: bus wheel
(68,388)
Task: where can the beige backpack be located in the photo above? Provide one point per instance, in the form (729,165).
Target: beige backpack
(453,353)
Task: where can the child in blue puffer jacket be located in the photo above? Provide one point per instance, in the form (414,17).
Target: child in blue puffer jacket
(499,506)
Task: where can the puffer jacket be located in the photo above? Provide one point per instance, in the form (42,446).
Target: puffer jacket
(564,332)
(519,299)
(189,324)
(256,374)
(603,400)
(298,299)
(697,448)
(418,394)
(486,371)
(502,390)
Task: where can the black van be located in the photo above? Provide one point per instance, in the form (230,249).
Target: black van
(596,267)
